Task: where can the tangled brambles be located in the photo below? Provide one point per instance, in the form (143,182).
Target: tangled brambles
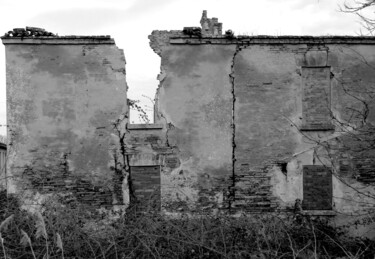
(75,231)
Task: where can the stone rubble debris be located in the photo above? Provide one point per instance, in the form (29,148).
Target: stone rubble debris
(192,31)
(29,32)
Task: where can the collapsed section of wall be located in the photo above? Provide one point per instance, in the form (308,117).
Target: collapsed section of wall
(194,107)
(66,110)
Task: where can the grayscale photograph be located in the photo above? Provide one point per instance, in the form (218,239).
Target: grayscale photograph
(175,129)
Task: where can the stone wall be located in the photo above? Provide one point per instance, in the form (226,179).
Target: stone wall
(66,102)
(244,116)
(245,124)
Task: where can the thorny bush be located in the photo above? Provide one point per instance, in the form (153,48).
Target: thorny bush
(75,231)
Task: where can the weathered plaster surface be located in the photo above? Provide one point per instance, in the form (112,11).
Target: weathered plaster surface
(63,100)
(238,122)
(234,115)
(194,103)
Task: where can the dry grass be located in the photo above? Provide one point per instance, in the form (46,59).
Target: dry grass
(76,232)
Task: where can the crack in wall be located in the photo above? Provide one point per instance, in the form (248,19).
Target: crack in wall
(124,171)
(156,46)
(232,193)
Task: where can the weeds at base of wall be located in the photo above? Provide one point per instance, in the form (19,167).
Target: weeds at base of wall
(75,232)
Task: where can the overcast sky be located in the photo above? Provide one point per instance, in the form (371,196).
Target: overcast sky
(129,22)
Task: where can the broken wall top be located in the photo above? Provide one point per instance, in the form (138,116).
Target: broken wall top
(181,38)
(210,32)
(33,35)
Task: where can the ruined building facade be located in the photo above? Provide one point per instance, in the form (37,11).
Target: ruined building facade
(66,106)
(242,124)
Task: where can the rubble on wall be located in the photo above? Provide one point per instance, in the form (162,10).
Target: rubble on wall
(28,32)
(210,26)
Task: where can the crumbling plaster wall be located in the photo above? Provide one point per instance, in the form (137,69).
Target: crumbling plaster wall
(246,151)
(196,100)
(194,105)
(65,95)
(347,71)
(269,128)
(237,120)
(266,90)
(269,117)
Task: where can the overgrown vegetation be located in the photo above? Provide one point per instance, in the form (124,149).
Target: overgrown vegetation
(74,231)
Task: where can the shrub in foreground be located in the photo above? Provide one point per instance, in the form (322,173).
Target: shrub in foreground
(75,231)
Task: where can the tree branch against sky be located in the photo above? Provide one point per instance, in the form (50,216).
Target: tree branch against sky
(364,9)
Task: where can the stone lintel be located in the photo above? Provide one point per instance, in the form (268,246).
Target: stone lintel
(320,127)
(144,126)
(145,159)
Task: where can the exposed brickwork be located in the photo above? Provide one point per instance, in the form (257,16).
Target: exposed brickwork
(252,192)
(262,88)
(211,26)
(159,39)
(317,188)
(3,158)
(229,114)
(150,138)
(62,136)
(316,98)
(353,154)
(77,189)
(365,169)
(146,185)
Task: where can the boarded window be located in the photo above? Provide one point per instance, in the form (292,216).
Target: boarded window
(146,186)
(317,188)
(3,153)
(316,98)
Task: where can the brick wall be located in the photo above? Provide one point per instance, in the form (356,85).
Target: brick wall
(3,155)
(145,182)
(64,95)
(265,93)
(317,188)
(316,98)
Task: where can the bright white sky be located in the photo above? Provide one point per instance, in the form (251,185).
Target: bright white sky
(129,22)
